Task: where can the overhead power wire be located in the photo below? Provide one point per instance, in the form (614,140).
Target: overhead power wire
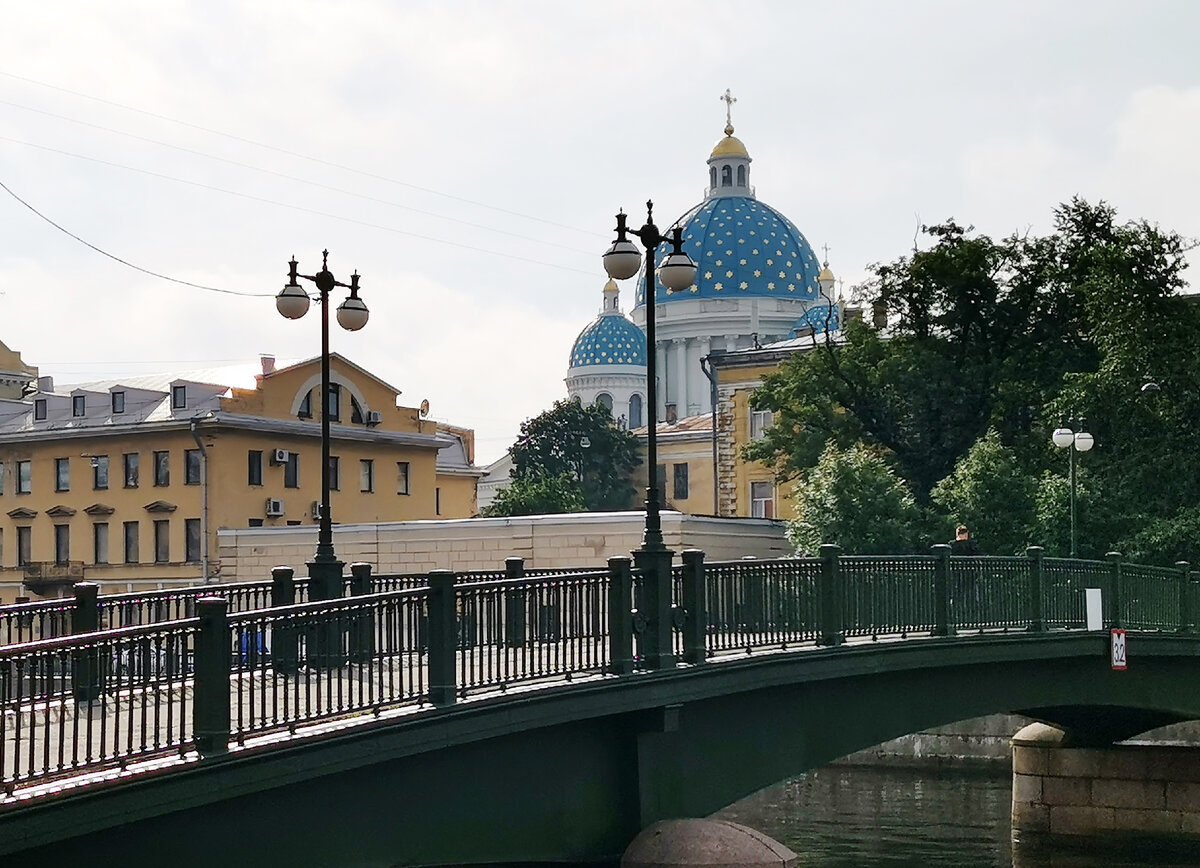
(287,177)
(295,154)
(264,200)
(126,262)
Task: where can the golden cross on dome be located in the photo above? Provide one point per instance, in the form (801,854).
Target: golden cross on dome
(729,99)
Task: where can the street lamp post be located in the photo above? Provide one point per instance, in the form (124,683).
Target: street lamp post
(1070,436)
(677,272)
(325,570)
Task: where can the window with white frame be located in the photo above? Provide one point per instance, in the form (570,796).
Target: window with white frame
(366,474)
(762,499)
(402,480)
(760,421)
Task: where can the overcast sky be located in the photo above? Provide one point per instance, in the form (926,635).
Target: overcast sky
(467,159)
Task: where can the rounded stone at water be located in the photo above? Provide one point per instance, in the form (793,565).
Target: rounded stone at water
(707,843)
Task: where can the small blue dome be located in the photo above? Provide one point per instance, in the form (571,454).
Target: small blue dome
(742,247)
(610,340)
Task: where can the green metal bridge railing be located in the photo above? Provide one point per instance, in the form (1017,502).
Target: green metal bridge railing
(225,670)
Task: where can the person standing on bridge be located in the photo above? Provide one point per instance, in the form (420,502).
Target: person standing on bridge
(966,586)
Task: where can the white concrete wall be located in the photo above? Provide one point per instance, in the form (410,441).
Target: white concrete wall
(576,540)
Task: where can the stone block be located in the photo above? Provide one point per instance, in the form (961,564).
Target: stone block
(1030,818)
(1175,764)
(1067,791)
(1027,789)
(1073,820)
(1030,760)
(1074,763)
(1130,764)
(1183,796)
(1147,822)
(1143,795)
(1189,824)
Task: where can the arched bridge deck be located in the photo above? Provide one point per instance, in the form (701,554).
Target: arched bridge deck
(519,718)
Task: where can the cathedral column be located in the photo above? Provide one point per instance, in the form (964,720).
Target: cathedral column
(679,396)
(660,355)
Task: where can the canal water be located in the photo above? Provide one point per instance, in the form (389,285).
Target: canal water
(869,817)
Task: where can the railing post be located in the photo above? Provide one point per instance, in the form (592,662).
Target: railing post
(620,615)
(443,636)
(210,706)
(1036,614)
(85,618)
(1118,589)
(695,614)
(516,606)
(829,597)
(362,623)
(285,648)
(654,644)
(942,625)
(1186,615)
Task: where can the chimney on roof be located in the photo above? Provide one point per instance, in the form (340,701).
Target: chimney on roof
(268,363)
(45,384)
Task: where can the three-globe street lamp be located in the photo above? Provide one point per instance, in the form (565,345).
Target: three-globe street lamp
(1070,436)
(325,570)
(676,272)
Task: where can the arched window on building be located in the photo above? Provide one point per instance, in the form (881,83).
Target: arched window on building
(712,175)
(741,176)
(635,411)
(605,400)
(726,176)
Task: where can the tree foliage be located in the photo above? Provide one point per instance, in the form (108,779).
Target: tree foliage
(581,444)
(989,345)
(538,494)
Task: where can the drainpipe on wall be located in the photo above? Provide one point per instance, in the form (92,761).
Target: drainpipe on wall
(203,500)
(706,366)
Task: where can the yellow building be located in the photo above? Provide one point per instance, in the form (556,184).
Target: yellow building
(685,465)
(127,482)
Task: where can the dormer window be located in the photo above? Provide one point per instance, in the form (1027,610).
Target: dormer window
(178,397)
(39,409)
(78,405)
(118,402)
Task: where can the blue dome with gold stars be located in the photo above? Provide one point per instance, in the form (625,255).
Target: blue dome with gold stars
(742,248)
(610,340)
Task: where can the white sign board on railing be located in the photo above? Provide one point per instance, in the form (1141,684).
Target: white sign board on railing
(1117,649)
(1095,608)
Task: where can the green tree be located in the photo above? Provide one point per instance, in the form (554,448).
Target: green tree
(854,499)
(993,494)
(580,443)
(538,494)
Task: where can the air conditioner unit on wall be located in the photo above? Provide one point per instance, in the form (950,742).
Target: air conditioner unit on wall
(374,417)
(280,456)
(274,506)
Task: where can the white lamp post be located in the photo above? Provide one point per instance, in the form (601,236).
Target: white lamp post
(1064,437)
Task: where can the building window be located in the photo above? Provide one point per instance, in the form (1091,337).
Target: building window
(254,467)
(131,542)
(402,477)
(712,176)
(1,478)
(191,466)
(366,475)
(24,546)
(437,501)
(162,468)
(335,474)
(39,409)
(178,397)
(99,472)
(62,544)
(635,411)
(760,421)
(162,541)
(118,402)
(680,473)
(78,405)
(291,471)
(191,531)
(305,411)
(762,499)
(131,469)
(356,413)
(255,522)
(24,477)
(741,176)
(100,543)
(62,474)
(333,406)
(726,176)
(605,400)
